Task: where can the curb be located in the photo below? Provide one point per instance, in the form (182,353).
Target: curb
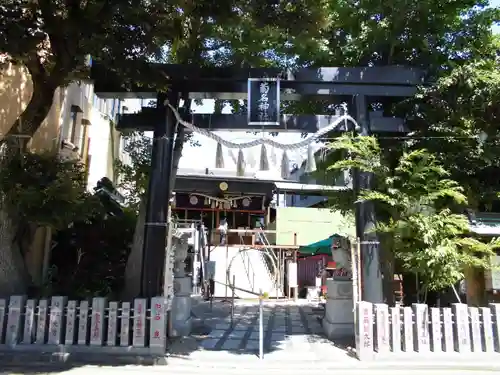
(303,367)
(76,359)
(62,361)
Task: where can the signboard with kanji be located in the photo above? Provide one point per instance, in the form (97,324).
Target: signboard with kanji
(263,101)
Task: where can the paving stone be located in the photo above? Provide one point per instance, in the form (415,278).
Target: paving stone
(231,344)
(240,327)
(280,329)
(254,335)
(278,336)
(252,345)
(237,334)
(209,343)
(218,333)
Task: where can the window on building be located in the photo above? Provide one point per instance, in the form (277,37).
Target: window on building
(74,125)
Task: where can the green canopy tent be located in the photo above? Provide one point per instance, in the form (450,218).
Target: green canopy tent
(321,247)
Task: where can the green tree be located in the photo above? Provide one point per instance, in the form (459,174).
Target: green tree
(458,120)
(37,191)
(55,39)
(242,33)
(420,211)
(426,34)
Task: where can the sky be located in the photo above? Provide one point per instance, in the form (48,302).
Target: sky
(203,156)
(495,3)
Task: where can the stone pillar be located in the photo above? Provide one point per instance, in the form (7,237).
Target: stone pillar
(382,329)
(364,331)
(461,328)
(421,340)
(181,305)
(339,318)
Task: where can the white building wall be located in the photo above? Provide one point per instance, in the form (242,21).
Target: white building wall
(100,148)
(93,126)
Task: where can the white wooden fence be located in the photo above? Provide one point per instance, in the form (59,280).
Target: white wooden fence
(382,330)
(82,326)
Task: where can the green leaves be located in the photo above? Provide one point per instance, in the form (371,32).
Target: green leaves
(436,247)
(419,209)
(45,190)
(134,175)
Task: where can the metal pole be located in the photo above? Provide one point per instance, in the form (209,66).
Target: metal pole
(227,266)
(261,325)
(296,289)
(232,301)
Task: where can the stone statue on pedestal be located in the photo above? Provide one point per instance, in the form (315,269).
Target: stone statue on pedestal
(182,285)
(338,320)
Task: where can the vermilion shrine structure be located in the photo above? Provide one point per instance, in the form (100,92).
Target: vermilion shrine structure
(368,92)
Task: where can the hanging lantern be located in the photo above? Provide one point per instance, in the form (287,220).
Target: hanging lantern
(219,157)
(311,160)
(193,199)
(246,202)
(264,161)
(285,165)
(240,165)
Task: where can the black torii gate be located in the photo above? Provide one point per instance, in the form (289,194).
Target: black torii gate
(358,87)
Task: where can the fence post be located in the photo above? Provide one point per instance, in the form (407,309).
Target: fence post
(487,330)
(99,305)
(407,329)
(232,300)
(158,326)
(382,328)
(436,332)
(495,312)
(449,345)
(461,327)
(14,315)
(421,328)
(57,306)
(29,321)
(364,331)
(396,329)
(477,345)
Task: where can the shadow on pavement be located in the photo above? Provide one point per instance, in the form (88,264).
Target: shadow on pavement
(206,318)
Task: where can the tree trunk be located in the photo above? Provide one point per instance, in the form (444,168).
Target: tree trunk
(14,277)
(13,272)
(134,262)
(475,286)
(36,111)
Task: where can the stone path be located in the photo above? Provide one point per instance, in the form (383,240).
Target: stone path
(291,331)
(281,322)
